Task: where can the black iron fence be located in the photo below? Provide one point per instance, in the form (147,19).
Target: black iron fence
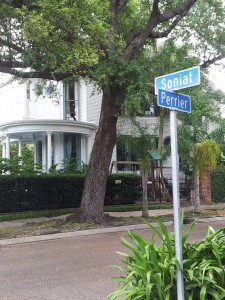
(21,193)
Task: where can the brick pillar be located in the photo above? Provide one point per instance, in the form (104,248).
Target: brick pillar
(206,186)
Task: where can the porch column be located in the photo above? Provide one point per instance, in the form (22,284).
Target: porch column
(49,150)
(7,152)
(83,150)
(90,143)
(20,151)
(35,152)
(3,148)
(58,149)
(19,148)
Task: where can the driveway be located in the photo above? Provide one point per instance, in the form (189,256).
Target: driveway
(76,267)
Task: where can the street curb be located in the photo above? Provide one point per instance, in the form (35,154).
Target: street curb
(66,235)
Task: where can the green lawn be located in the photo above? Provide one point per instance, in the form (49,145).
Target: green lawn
(60,212)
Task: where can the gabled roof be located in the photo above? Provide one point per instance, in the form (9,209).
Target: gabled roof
(154,154)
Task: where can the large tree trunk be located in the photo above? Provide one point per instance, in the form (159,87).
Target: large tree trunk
(95,184)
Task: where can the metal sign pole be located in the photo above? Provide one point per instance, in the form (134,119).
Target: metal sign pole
(176,203)
(163,87)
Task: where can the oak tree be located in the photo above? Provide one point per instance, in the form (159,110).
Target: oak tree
(104,41)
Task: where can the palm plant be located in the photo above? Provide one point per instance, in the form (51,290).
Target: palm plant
(150,268)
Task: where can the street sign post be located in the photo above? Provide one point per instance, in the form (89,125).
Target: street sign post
(176,204)
(173,100)
(178,80)
(164,86)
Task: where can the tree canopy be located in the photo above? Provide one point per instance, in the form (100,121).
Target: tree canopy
(56,39)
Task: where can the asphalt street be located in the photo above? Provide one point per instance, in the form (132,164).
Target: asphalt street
(70,268)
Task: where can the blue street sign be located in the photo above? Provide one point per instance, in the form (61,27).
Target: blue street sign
(178,80)
(172,100)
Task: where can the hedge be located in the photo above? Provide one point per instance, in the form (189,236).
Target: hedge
(218,185)
(23,193)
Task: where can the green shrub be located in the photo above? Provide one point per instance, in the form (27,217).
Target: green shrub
(44,192)
(218,185)
(150,270)
(122,189)
(39,192)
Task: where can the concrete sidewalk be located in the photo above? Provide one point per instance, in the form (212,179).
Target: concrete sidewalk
(88,232)
(155,212)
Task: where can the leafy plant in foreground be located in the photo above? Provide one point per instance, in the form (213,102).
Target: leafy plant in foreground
(150,269)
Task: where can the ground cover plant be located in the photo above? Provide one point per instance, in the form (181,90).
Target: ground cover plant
(68,220)
(71,223)
(150,269)
(60,212)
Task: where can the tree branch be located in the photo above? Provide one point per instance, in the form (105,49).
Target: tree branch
(11,45)
(35,74)
(154,20)
(121,4)
(20,3)
(167,31)
(12,64)
(132,35)
(135,33)
(183,9)
(209,62)
(19,70)
(114,21)
(155,7)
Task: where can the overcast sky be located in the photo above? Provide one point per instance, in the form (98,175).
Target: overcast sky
(217,76)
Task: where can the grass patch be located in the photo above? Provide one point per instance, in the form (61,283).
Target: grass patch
(205,213)
(61,212)
(68,224)
(136,207)
(35,214)
(72,223)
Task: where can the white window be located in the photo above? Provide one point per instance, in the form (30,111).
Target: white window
(27,100)
(71,97)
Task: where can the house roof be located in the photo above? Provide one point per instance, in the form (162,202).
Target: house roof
(27,130)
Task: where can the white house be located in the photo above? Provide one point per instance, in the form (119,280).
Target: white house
(46,121)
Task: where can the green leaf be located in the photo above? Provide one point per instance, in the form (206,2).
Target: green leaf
(116,294)
(158,279)
(123,254)
(203,292)
(186,233)
(210,231)
(165,236)
(215,294)
(148,276)
(137,292)
(148,290)
(138,255)
(138,240)
(217,254)
(191,274)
